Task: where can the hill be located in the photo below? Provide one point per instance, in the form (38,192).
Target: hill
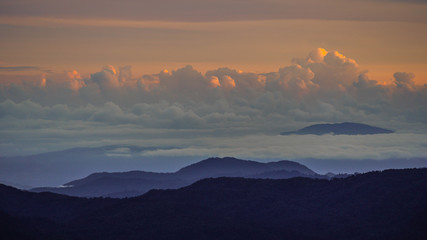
(346,128)
(55,168)
(376,205)
(134,183)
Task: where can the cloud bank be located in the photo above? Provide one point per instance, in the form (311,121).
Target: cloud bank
(324,86)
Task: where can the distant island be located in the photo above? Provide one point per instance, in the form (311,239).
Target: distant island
(346,128)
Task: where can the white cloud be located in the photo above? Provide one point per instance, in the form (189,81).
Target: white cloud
(119,152)
(338,147)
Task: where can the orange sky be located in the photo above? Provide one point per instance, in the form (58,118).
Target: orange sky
(382,36)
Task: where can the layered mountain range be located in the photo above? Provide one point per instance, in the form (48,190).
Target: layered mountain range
(378,205)
(134,183)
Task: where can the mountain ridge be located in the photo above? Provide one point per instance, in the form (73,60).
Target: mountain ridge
(132,183)
(345,128)
(386,204)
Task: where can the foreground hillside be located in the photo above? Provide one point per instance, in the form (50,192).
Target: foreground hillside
(377,205)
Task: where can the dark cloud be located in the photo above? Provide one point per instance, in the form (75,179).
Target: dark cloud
(19,68)
(218,10)
(404,1)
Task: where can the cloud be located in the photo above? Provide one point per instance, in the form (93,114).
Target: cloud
(317,55)
(305,147)
(107,78)
(324,86)
(183,83)
(76,81)
(119,152)
(19,68)
(408,1)
(214,82)
(220,10)
(331,70)
(404,80)
(295,79)
(227,82)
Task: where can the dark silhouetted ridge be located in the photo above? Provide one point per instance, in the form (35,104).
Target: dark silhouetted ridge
(378,205)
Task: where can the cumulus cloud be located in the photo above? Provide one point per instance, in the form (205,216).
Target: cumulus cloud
(324,86)
(404,80)
(295,79)
(214,81)
(331,70)
(106,79)
(227,82)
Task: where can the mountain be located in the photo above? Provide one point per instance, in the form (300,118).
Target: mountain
(362,165)
(346,128)
(53,169)
(376,205)
(134,183)
(56,168)
(233,167)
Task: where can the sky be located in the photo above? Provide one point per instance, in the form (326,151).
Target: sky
(213,78)
(253,35)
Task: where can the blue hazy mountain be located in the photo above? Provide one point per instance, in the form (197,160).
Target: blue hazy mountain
(133,183)
(233,167)
(378,205)
(55,168)
(346,128)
